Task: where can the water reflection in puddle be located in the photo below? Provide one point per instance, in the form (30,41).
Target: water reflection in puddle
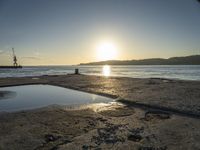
(105,106)
(36,96)
(7,94)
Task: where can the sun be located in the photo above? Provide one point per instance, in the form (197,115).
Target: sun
(106,51)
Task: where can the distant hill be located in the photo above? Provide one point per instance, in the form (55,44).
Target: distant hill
(187,60)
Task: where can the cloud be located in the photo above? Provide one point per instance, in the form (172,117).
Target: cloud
(5,51)
(1,51)
(29,57)
(37,53)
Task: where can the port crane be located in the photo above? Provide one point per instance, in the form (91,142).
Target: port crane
(15,64)
(14,58)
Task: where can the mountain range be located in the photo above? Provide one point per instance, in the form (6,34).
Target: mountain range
(186,60)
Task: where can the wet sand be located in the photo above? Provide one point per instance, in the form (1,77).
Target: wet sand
(152,114)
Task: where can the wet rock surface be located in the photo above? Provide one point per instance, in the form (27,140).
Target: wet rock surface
(156,115)
(135,134)
(58,129)
(172,94)
(119,112)
(108,135)
(114,127)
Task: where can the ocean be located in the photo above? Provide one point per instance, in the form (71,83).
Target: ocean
(183,72)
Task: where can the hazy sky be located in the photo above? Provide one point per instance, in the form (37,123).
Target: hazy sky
(46,32)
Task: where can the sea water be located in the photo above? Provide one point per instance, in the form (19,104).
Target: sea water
(185,72)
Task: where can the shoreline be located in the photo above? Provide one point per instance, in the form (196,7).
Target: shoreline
(144,120)
(114,76)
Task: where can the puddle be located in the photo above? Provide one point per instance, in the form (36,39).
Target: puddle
(37,96)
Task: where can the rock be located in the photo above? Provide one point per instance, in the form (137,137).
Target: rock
(135,137)
(50,138)
(85,147)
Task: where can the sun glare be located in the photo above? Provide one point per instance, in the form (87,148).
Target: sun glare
(106,51)
(106,70)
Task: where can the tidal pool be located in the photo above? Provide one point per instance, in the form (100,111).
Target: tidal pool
(26,97)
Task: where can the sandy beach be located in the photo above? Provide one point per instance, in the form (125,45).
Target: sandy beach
(149,114)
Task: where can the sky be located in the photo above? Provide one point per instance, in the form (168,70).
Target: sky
(66,32)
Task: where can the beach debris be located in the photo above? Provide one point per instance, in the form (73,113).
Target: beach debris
(50,138)
(76,71)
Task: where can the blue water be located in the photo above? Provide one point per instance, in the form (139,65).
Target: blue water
(185,72)
(35,96)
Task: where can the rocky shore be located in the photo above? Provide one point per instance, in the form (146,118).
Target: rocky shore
(150,114)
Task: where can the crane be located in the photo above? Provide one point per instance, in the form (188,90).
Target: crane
(14,58)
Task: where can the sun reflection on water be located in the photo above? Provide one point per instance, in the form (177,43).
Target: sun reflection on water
(106,70)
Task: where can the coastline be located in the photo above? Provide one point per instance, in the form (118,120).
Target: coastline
(156,113)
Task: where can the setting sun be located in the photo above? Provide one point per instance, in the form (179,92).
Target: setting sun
(106,51)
